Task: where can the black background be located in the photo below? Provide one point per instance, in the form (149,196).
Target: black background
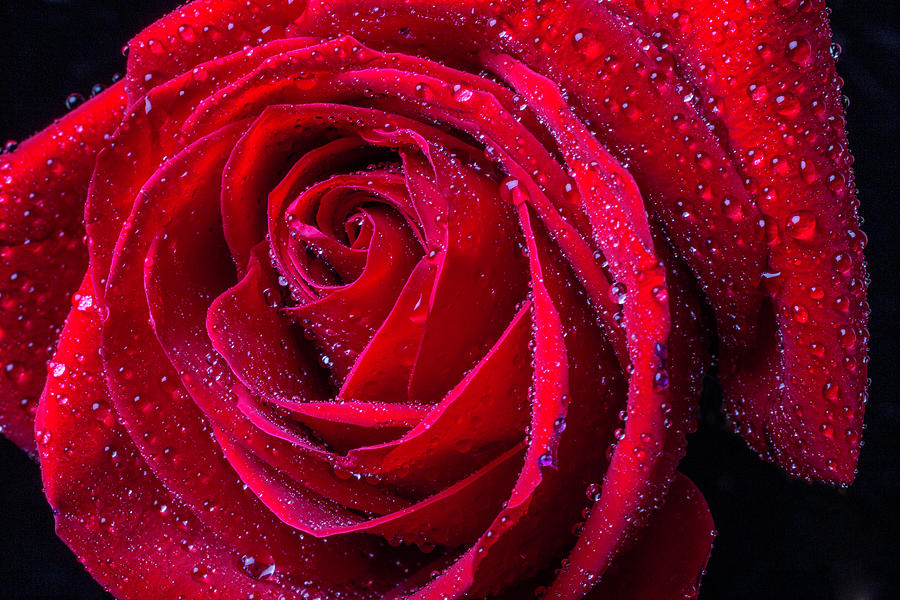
(777,538)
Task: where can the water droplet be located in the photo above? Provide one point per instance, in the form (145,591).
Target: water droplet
(187,33)
(156,47)
(618,292)
(661,380)
(758,92)
(462,94)
(660,293)
(801,315)
(799,51)
(74,100)
(272,297)
(257,569)
(787,105)
(836,51)
(842,303)
(662,353)
(200,573)
(847,338)
(801,225)
(837,183)
(424,91)
(732,209)
(843,263)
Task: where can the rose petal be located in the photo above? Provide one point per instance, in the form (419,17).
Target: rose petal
(198,32)
(621,230)
(389,260)
(260,344)
(572,422)
(42,258)
(454,516)
(133,377)
(781,106)
(140,541)
(179,284)
(486,410)
(153,124)
(373,379)
(670,556)
(473,299)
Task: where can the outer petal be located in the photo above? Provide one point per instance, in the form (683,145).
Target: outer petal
(151,124)
(201,31)
(667,561)
(130,533)
(42,257)
(767,77)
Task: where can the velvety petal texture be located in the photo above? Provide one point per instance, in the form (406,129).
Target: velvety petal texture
(413,299)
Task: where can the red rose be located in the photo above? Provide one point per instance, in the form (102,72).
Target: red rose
(412,299)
